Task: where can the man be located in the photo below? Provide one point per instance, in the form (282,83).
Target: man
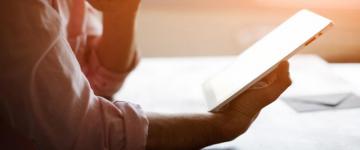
(55,60)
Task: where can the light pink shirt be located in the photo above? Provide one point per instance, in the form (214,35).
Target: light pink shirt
(43,92)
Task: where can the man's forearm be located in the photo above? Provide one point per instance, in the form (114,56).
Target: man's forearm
(193,131)
(115,50)
(183,131)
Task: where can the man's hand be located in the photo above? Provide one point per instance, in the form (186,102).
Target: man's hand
(194,131)
(244,109)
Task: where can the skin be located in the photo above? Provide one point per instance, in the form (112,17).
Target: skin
(194,131)
(184,131)
(115,52)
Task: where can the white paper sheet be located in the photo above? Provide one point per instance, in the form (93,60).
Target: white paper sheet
(312,77)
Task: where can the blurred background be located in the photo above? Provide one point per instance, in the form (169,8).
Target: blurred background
(180,28)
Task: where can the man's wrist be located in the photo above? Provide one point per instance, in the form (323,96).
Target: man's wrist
(220,123)
(231,124)
(119,17)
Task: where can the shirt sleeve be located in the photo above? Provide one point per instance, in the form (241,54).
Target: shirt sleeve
(46,96)
(103,81)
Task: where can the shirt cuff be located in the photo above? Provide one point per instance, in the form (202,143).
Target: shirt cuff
(136,125)
(105,82)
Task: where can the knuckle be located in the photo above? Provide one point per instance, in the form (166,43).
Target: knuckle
(289,82)
(269,94)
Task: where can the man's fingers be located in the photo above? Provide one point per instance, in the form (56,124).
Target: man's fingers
(284,74)
(271,77)
(283,66)
(253,100)
(282,82)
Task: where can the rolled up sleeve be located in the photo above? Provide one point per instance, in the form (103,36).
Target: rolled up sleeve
(135,125)
(104,81)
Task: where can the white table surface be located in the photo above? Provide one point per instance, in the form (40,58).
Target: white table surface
(173,85)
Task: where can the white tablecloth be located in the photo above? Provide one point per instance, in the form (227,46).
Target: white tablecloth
(173,85)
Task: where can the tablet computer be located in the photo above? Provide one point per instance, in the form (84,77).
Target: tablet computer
(262,57)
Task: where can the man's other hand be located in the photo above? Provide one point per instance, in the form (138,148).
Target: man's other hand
(115,6)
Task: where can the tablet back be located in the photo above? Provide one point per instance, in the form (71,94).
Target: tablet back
(263,56)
